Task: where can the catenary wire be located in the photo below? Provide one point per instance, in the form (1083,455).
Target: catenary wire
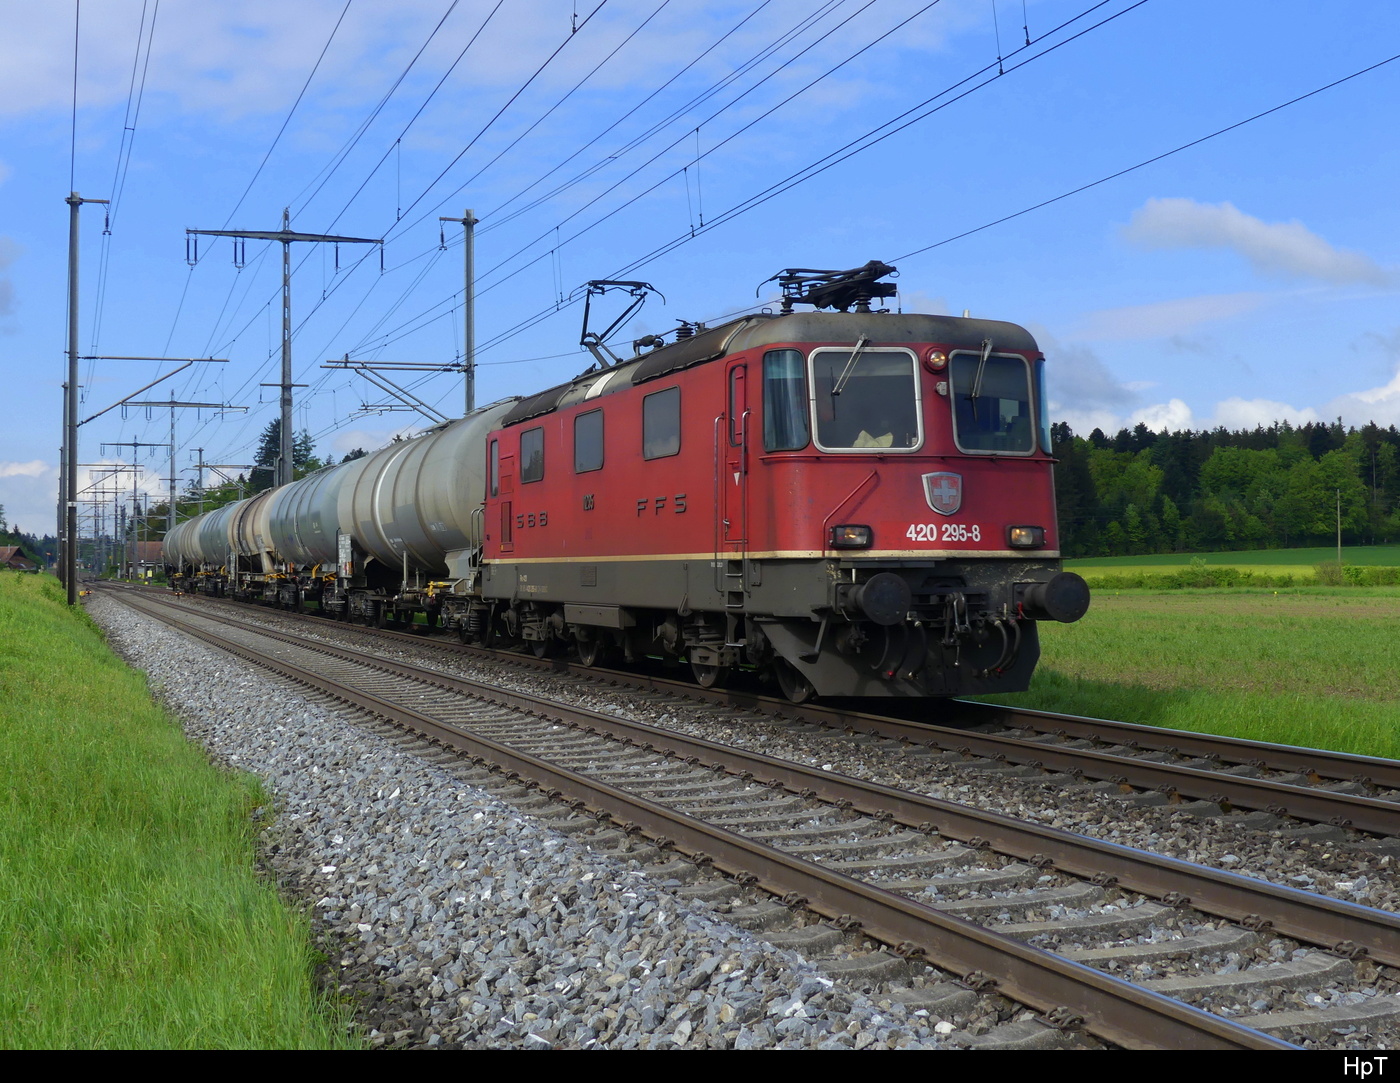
(290,112)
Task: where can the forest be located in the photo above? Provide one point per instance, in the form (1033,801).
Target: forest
(1279,487)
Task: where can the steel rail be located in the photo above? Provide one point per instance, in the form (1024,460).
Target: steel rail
(1228,790)
(1320,762)
(1331,923)
(1110,1008)
(1224,789)
(1316,762)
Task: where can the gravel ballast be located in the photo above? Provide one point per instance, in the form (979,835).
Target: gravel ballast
(454,920)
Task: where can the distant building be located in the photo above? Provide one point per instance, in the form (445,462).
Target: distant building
(146,558)
(11,557)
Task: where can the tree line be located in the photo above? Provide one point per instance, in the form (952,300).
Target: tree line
(1178,492)
(39,550)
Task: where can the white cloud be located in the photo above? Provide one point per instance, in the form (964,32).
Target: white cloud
(368,439)
(921,301)
(1378,404)
(32,469)
(1237,413)
(1076,376)
(253,56)
(1083,422)
(1287,249)
(1163,319)
(29,493)
(1174,416)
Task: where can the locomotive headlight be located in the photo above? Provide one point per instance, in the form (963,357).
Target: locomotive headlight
(1026,537)
(935,360)
(851,536)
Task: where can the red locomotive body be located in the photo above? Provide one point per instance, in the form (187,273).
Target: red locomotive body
(853,502)
(860,502)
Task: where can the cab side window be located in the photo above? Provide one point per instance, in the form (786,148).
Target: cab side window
(784,401)
(661,424)
(588,442)
(532,455)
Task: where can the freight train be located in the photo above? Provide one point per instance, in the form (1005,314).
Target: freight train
(846,500)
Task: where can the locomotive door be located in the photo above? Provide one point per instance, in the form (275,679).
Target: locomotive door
(503,484)
(732,452)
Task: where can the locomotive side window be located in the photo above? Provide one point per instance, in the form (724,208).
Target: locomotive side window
(661,424)
(738,403)
(784,401)
(992,403)
(866,400)
(495,467)
(588,442)
(532,455)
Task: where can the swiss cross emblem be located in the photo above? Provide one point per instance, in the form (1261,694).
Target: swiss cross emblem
(943,491)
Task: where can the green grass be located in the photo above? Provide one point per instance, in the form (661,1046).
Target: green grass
(1388,555)
(1368,565)
(1313,666)
(130,914)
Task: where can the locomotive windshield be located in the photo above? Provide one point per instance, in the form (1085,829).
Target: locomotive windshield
(866,400)
(992,404)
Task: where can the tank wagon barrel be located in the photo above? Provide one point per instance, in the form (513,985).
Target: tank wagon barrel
(849,502)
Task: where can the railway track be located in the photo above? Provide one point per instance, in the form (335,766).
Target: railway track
(1172,766)
(971,891)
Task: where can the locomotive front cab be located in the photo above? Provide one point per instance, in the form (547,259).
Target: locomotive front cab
(913,461)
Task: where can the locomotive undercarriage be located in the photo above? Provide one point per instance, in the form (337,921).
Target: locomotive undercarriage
(829,627)
(833,627)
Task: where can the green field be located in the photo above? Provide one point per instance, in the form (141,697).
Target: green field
(130,912)
(1311,666)
(1299,563)
(1386,555)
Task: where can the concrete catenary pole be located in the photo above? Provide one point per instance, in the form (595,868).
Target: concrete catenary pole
(468,221)
(69,535)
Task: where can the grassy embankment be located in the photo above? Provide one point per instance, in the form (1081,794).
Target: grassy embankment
(1305,665)
(130,914)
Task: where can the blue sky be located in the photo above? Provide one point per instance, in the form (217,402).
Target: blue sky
(1250,278)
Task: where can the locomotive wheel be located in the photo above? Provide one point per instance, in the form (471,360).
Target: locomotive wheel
(542,648)
(590,651)
(381,618)
(793,682)
(707,676)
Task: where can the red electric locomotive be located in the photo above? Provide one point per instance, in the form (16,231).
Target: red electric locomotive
(858,502)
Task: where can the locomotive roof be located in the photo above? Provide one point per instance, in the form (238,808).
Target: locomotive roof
(763,329)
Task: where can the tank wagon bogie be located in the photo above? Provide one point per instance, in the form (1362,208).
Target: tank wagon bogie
(853,502)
